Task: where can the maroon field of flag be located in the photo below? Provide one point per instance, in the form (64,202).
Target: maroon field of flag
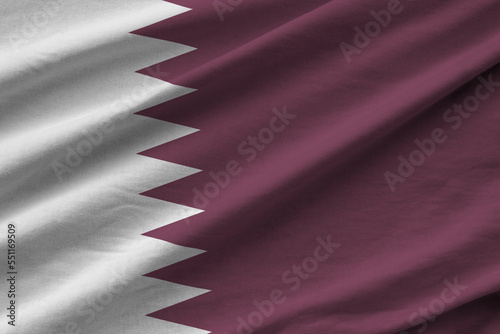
(250,167)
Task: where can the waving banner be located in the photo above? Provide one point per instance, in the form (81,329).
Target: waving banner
(250,167)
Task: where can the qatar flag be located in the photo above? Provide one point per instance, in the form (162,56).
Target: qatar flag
(250,167)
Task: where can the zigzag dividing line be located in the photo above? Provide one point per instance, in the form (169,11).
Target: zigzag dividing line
(170,77)
(194,150)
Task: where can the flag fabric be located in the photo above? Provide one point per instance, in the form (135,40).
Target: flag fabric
(250,166)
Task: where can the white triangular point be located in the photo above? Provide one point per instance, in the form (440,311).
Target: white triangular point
(81,256)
